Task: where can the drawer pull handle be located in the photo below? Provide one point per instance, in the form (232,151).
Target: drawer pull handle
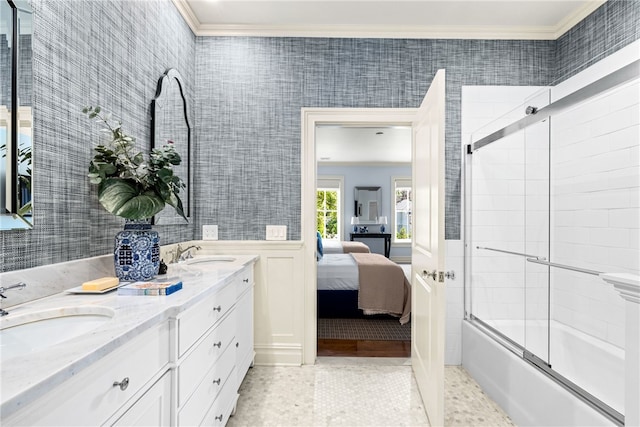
(237,344)
(217,381)
(218,308)
(122,384)
(218,344)
(245,280)
(219,418)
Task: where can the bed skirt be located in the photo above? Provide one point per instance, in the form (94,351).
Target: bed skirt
(342,304)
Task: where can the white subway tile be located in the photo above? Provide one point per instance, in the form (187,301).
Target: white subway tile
(624,218)
(609,237)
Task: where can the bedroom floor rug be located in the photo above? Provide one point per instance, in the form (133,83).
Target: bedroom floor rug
(364,329)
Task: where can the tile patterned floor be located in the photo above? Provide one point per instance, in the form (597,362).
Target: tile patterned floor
(356,392)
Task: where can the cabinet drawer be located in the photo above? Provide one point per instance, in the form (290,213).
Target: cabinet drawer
(243,280)
(152,409)
(197,320)
(90,397)
(223,406)
(215,379)
(204,355)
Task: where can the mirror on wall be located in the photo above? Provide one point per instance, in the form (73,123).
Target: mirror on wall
(368,204)
(16,117)
(170,122)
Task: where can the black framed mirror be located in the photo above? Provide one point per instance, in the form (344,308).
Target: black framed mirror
(16,116)
(170,122)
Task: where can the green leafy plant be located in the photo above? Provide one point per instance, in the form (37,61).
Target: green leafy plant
(128,185)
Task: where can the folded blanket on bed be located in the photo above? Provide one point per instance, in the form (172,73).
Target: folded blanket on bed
(357,247)
(384,289)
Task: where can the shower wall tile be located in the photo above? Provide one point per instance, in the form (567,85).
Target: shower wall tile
(594,201)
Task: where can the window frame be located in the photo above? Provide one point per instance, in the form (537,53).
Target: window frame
(401,182)
(328,182)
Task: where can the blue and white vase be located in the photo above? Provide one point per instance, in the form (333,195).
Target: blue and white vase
(137,251)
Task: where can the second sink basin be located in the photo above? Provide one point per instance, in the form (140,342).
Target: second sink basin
(26,333)
(210,259)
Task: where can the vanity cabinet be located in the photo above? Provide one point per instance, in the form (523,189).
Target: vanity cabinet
(184,369)
(106,390)
(215,349)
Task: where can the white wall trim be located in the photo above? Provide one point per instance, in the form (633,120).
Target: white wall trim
(502,32)
(311,117)
(278,355)
(570,21)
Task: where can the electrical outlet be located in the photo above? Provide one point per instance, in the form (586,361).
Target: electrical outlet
(276,232)
(209,232)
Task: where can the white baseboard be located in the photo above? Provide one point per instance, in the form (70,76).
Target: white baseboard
(278,355)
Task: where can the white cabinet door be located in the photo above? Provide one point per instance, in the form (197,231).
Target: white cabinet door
(153,408)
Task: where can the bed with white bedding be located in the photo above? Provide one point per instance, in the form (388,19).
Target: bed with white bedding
(340,247)
(358,284)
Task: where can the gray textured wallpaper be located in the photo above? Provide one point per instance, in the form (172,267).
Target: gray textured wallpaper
(251,90)
(247,94)
(111,53)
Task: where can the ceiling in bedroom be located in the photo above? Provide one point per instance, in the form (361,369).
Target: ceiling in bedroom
(351,144)
(497,19)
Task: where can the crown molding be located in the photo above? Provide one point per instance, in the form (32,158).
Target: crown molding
(187,14)
(572,20)
(364,163)
(394,32)
(387,32)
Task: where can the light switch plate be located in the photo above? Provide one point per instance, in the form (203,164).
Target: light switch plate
(276,232)
(209,232)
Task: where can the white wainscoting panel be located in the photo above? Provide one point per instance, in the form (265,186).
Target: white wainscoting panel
(279,296)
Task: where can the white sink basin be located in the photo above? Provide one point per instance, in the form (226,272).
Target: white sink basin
(26,333)
(210,259)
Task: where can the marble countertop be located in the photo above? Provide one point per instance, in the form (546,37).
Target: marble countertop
(27,377)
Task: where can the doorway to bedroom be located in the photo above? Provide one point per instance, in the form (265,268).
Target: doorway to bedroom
(363,216)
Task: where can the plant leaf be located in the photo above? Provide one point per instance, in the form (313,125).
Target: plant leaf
(122,198)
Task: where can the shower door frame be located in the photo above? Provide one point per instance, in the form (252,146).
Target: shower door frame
(617,78)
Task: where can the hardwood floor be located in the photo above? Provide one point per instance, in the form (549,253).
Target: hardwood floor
(356,348)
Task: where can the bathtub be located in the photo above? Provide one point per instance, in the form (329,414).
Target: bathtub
(532,398)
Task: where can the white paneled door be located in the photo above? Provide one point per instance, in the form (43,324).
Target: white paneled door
(427,255)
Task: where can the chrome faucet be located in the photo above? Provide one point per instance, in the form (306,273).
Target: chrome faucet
(180,254)
(19,285)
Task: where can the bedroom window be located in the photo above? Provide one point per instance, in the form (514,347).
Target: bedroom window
(328,212)
(402,219)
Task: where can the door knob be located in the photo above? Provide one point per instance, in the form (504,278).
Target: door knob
(433,274)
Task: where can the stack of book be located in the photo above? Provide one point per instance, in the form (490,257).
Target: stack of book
(150,287)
